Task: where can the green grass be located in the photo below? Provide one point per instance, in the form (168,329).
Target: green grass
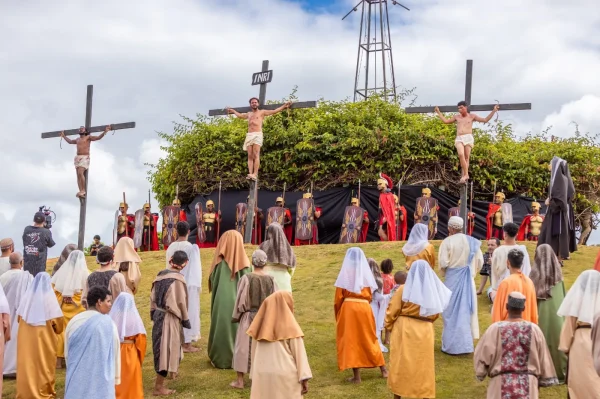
(313,294)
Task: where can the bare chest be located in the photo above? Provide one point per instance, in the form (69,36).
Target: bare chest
(464,124)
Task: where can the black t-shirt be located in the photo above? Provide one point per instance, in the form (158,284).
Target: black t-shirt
(36,241)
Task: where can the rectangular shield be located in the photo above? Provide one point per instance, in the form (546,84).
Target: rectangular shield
(200,222)
(305,216)
(170,219)
(275,214)
(240,217)
(426,213)
(507,214)
(454,212)
(139,228)
(116,228)
(351,225)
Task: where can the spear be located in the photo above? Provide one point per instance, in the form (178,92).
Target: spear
(494,197)
(177,191)
(150,220)
(126,221)
(359,203)
(283,195)
(471,206)
(219,212)
(398,218)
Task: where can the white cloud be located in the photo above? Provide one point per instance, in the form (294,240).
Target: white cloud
(151,62)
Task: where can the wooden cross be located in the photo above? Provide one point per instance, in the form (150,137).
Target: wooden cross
(90,129)
(261,78)
(453,108)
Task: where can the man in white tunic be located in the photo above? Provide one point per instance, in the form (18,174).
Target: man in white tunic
(15,283)
(460,259)
(499,270)
(193,279)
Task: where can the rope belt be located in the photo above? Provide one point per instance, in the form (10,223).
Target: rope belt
(513,372)
(583,326)
(417,318)
(355,300)
(160,310)
(128,341)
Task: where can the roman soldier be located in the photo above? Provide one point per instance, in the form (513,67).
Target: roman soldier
(182,215)
(387,209)
(426,210)
(455,211)
(171,216)
(311,220)
(287,219)
(125,222)
(401,219)
(365,221)
(210,225)
(241,212)
(150,232)
(498,214)
(531,226)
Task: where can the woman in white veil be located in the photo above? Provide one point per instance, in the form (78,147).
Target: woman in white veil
(418,246)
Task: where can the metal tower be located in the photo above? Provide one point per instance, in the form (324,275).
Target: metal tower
(374,74)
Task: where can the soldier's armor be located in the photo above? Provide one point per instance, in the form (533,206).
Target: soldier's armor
(122,226)
(498,219)
(147,221)
(209,219)
(535,225)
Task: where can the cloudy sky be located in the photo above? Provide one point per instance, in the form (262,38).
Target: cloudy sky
(151,61)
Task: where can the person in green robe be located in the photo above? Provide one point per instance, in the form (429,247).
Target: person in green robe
(229,264)
(547,278)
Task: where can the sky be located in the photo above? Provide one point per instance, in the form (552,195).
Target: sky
(151,62)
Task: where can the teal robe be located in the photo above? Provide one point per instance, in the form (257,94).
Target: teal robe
(221,339)
(551,325)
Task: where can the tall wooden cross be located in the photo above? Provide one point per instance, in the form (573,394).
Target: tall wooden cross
(261,78)
(90,129)
(453,108)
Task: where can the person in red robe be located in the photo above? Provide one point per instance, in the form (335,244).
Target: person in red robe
(531,226)
(401,223)
(125,223)
(287,219)
(365,222)
(150,223)
(210,223)
(315,229)
(494,218)
(387,209)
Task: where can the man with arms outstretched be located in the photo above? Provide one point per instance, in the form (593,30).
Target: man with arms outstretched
(254,137)
(82,159)
(464,133)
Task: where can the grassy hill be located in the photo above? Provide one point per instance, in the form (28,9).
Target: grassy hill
(313,293)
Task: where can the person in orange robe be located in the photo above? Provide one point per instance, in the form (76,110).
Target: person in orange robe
(597,263)
(518,282)
(132,335)
(356,336)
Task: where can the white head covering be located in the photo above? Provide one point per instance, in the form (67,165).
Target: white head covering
(193,271)
(424,288)
(126,316)
(355,273)
(72,275)
(4,307)
(456,222)
(417,241)
(583,299)
(39,303)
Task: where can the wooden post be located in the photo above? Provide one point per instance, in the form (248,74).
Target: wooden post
(83,200)
(468,82)
(250,212)
(262,96)
(463,206)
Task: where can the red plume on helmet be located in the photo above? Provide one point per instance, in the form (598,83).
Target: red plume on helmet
(385,177)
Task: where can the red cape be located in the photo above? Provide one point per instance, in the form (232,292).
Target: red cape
(210,244)
(287,228)
(365,228)
(182,216)
(493,208)
(153,237)
(131,230)
(315,233)
(403,223)
(470,223)
(387,205)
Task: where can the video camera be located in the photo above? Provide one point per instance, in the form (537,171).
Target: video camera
(50,216)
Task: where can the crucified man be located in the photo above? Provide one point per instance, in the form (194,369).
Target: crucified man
(82,159)
(464,133)
(254,137)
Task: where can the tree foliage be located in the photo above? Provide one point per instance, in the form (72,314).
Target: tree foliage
(341,142)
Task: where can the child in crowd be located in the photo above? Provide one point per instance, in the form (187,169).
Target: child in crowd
(399,279)
(486,269)
(388,280)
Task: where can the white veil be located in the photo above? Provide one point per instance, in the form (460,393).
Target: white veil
(424,288)
(72,275)
(39,303)
(126,316)
(356,273)
(583,299)
(417,240)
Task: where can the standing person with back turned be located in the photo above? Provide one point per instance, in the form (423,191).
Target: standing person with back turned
(36,241)
(254,137)
(464,142)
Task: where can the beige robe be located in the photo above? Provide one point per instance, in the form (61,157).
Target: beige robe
(576,341)
(499,270)
(501,353)
(278,368)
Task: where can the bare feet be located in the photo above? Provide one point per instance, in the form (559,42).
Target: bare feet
(464,179)
(237,385)
(188,348)
(249,177)
(384,372)
(354,380)
(478,292)
(252,177)
(162,391)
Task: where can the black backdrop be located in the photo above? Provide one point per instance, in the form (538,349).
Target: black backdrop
(335,200)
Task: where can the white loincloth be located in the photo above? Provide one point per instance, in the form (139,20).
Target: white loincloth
(254,138)
(465,139)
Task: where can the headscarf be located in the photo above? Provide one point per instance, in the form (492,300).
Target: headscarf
(277,247)
(355,273)
(72,276)
(63,257)
(417,240)
(126,316)
(125,253)
(275,319)
(583,299)
(424,288)
(597,263)
(376,273)
(39,303)
(259,258)
(230,249)
(546,271)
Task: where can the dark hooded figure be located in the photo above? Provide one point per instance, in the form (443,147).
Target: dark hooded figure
(558,228)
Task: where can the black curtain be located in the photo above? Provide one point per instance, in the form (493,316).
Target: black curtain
(334,201)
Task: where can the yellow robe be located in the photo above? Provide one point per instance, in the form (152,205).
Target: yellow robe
(36,359)
(412,363)
(427,254)
(69,310)
(133,351)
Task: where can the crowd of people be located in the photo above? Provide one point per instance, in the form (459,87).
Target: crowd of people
(90,324)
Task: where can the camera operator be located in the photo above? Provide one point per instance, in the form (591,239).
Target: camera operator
(36,241)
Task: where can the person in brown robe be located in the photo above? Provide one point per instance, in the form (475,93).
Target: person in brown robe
(280,368)
(252,290)
(168,311)
(514,354)
(105,276)
(579,307)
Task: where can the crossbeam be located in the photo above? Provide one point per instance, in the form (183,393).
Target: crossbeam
(242,110)
(93,129)
(482,107)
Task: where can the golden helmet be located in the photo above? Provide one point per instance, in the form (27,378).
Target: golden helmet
(146,206)
(458,202)
(535,206)
(307,195)
(279,199)
(176,202)
(354,201)
(500,195)
(123,205)
(210,202)
(426,192)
